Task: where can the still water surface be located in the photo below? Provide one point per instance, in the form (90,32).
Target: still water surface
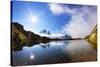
(55,52)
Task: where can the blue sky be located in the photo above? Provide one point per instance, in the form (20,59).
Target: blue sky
(57,18)
(46,19)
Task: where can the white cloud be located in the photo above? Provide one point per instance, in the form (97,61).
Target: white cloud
(82,22)
(56,35)
(59,9)
(56,8)
(77,27)
(53,35)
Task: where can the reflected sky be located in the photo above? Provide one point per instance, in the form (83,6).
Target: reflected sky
(55,52)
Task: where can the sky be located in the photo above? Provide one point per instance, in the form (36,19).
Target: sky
(60,19)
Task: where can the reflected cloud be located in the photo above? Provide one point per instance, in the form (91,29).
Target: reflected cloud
(80,50)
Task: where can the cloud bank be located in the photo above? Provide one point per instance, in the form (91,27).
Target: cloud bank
(83,19)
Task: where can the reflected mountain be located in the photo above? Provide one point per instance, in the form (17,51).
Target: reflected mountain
(45,46)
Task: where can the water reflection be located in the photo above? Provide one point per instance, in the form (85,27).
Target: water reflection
(45,45)
(55,52)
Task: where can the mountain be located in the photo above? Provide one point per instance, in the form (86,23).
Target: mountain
(20,37)
(92,38)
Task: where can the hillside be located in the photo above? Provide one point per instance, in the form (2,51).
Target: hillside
(20,37)
(92,38)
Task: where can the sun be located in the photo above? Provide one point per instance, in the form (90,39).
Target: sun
(32,57)
(34,19)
